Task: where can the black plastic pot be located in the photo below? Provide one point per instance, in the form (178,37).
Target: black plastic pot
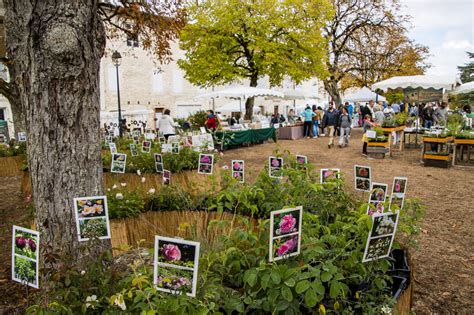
(400,267)
(398,286)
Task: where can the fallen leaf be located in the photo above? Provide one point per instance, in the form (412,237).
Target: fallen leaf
(462,275)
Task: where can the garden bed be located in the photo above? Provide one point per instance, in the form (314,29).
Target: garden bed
(11,166)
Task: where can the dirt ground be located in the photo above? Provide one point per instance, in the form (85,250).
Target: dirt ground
(444,274)
(444,282)
(12,211)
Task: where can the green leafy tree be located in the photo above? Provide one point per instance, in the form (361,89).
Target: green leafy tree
(467,71)
(231,40)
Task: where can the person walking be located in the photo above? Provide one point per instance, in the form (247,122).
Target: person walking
(330,123)
(316,120)
(345,123)
(428,116)
(308,115)
(167,125)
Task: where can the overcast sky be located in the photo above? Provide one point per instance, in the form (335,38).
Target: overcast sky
(446,27)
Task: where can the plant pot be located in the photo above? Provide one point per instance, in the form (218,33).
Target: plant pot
(400,267)
(398,286)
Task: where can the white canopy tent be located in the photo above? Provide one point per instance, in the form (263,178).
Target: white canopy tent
(130,115)
(364,95)
(242,93)
(464,88)
(234,107)
(418,81)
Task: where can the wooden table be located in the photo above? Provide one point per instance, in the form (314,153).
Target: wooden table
(290,132)
(399,129)
(469,143)
(443,145)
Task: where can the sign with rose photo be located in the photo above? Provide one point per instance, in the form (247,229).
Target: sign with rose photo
(158,163)
(22,137)
(175,148)
(381,236)
(377,196)
(301,161)
(398,192)
(113,148)
(275,165)
(146,146)
(166,177)
(329,175)
(119,161)
(133,149)
(25,256)
(238,170)
(362,177)
(285,233)
(92,218)
(206,163)
(176,265)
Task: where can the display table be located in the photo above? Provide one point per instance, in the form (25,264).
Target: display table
(230,138)
(463,152)
(436,151)
(291,132)
(400,132)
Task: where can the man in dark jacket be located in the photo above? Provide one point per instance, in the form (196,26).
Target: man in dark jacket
(330,122)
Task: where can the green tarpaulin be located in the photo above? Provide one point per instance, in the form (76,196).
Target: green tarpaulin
(228,139)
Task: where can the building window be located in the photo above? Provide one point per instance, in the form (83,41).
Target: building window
(132,40)
(2,114)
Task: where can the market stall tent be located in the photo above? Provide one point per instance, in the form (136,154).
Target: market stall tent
(418,81)
(234,107)
(464,88)
(364,95)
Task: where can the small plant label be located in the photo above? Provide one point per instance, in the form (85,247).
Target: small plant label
(363,177)
(275,167)
(175,148)
(301,161)
(329,175)
(146,146)
(176,265)
(166,148)
(206,164)
(203,130)
(22,137)
(108,139)
(113,148)
(119,161)
(377,196)
(381,236)
(238,170)
(133,149)
(158,163)
(92,218)
(399,189)
(285,233)
(166,177)
(25,256)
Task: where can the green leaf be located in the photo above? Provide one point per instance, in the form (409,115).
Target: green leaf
(276,278)
(251,277)
(318,287)
(287,294)
(334,289)
(326,276)
(282,305)
(310,298)
(302,286)
(290,282)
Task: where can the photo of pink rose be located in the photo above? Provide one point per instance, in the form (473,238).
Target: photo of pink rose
(285,246)
(175,253)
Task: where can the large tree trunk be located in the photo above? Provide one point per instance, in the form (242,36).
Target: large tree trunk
(251,100)
(56,46)
(331,87)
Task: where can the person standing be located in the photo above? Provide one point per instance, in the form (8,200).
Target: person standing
(330,123)
(211,121)
(367,125)
(440,114)
(308,121)
(316,119)
(389,112)
(345,123)
(378,116)
(428,116)
(166,124)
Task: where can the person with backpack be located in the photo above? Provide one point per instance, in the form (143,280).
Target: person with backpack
(330,122)
(316,120)
(308,115)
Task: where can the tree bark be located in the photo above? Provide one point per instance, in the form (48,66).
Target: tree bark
(330,86)
(251,100)
(56,46)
